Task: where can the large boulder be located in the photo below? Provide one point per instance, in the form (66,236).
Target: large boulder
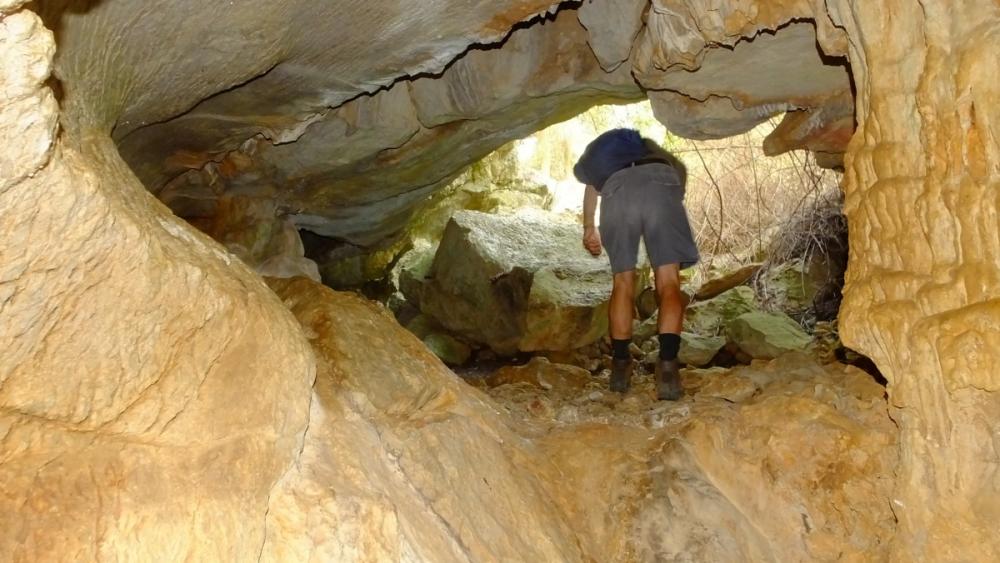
(767,335)
(515,283)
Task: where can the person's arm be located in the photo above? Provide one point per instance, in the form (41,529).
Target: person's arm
(591,238)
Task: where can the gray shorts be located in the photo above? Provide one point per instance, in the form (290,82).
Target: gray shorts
(646,201)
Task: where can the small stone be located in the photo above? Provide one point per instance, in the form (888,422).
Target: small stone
(634,350)
(645,330)
(422,326)
(646,303)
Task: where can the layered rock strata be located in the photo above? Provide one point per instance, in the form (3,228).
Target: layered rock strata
(348,140)
(402,460)
(355,171)
(923,282)
(130,342)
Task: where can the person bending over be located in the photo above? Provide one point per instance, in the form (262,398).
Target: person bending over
(641,191)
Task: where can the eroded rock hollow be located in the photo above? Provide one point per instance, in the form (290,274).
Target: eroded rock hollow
(159,401)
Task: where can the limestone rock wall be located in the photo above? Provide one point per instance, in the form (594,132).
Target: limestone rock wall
(356,172)
(348,116)
(129,345)
(154,385)
(402,460)
(923,284)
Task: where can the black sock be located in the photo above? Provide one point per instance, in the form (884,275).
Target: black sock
(619,349)
(670,344)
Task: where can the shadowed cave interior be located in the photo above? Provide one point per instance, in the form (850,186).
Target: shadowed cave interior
(278,286)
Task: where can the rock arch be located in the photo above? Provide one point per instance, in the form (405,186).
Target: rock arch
(127,334)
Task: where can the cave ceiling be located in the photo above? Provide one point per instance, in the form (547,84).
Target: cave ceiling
(349,114)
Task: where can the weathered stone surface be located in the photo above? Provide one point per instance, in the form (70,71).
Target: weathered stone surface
(759,77)
(760,463)
(402,460)
(493,185)
(612,26)
(515,283)
(412,270)
(421,326)
(254,230)
(792,287)
(723,383)
(646,304)
(710,318)
(28,115)
(152,389)
(88,261)
(360,169)
(643,331)
(543,374)
(766,335)
(447,348)
(825,130)
(750,60)
(699,350)
(923,284)
(724,283)
(799,471)
(353,138)
(125,401)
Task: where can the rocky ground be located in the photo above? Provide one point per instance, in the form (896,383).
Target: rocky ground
(777,460)
(777,451)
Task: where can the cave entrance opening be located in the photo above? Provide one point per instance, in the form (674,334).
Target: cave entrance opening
(770,229)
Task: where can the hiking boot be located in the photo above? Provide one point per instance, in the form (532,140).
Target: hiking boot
(621,374)
(668,380)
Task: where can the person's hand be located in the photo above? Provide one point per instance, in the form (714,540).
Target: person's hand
(592,240)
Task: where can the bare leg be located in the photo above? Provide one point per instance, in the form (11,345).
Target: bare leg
(670,321)
(622,304)
(668,288)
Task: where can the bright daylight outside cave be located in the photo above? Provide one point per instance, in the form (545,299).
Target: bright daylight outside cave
(290,280)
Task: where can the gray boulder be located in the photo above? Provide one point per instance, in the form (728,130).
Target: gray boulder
(710,318)
(514,283)
(697,350)
(766,336)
